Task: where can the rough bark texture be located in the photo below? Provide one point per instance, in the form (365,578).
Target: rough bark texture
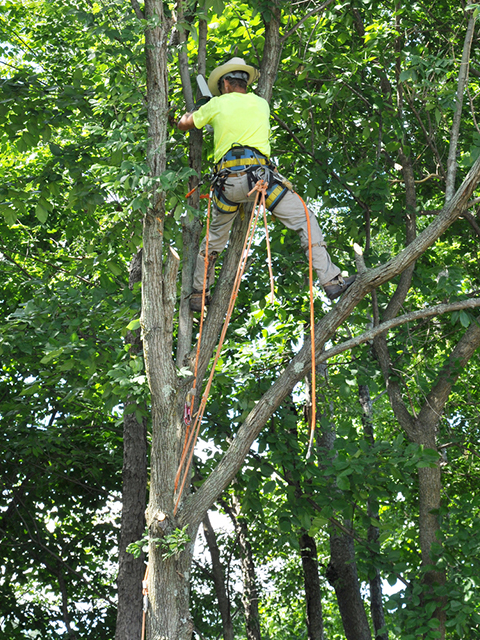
(271,54)
(134,488)
(311,581)
(342,575)
(169,579)
(191,227)
(219,580)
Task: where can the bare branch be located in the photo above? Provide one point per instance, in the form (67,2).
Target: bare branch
(462,81)
(428,312)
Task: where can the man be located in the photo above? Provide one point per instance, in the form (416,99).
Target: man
(241,127)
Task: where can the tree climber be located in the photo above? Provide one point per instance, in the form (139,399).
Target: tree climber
(240,122)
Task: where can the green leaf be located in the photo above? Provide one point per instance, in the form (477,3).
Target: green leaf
(41,213)
(134,324)
(343,483)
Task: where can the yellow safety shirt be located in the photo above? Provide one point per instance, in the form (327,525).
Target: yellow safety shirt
(237,119)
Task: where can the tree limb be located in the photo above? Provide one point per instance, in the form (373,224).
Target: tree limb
(196,505)
(462,81)
(428,312)
(138,12)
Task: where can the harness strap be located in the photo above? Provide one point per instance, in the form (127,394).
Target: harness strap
(240,162)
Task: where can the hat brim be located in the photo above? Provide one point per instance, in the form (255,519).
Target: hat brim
(253,74)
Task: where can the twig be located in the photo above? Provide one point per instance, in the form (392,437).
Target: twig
(305,17)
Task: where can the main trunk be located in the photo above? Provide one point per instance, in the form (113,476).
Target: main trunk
(169,596)
(134,494)
(429,490)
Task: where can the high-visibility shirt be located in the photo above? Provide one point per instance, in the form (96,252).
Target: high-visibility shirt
(237,119)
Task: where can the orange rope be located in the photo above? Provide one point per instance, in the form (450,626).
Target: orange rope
(191,393)
(260,187)
(312,331)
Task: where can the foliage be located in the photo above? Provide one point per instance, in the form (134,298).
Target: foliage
(172,544)
(359,83)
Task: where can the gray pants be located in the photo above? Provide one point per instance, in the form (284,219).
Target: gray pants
(289,210)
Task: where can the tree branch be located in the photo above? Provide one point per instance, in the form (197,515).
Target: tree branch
(462,81)
(428,312)
(438,396)
(305,17)
(138,12)
(197,504)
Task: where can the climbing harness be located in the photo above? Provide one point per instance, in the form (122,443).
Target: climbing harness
(242,160)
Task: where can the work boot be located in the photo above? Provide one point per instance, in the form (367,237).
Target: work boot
(196,300)
(338,285)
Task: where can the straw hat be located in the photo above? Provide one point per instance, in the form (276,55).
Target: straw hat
(235,64)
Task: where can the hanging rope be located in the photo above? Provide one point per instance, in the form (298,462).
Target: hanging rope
(190,441)
(312,332)
(190,399)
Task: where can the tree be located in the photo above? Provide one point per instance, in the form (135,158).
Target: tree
(363,104)
(169,614)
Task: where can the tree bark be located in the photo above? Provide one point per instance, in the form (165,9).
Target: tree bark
(134,488)
(342,575)
(219,580)
(311,581)
(457,116)
(342,568)
(169,578)
(191,227)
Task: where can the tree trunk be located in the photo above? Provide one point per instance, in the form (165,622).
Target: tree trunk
(219,580)
(313,594)
(250,591)
(134,488)
(342,575)
(342,568)
(376,596)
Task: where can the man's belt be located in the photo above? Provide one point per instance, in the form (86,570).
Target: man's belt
(237,158)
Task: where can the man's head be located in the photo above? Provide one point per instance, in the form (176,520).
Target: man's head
(236,80)
(235,72)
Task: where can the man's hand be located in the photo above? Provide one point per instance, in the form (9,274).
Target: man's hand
(186,122)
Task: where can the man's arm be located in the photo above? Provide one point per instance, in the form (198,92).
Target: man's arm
(186,122)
